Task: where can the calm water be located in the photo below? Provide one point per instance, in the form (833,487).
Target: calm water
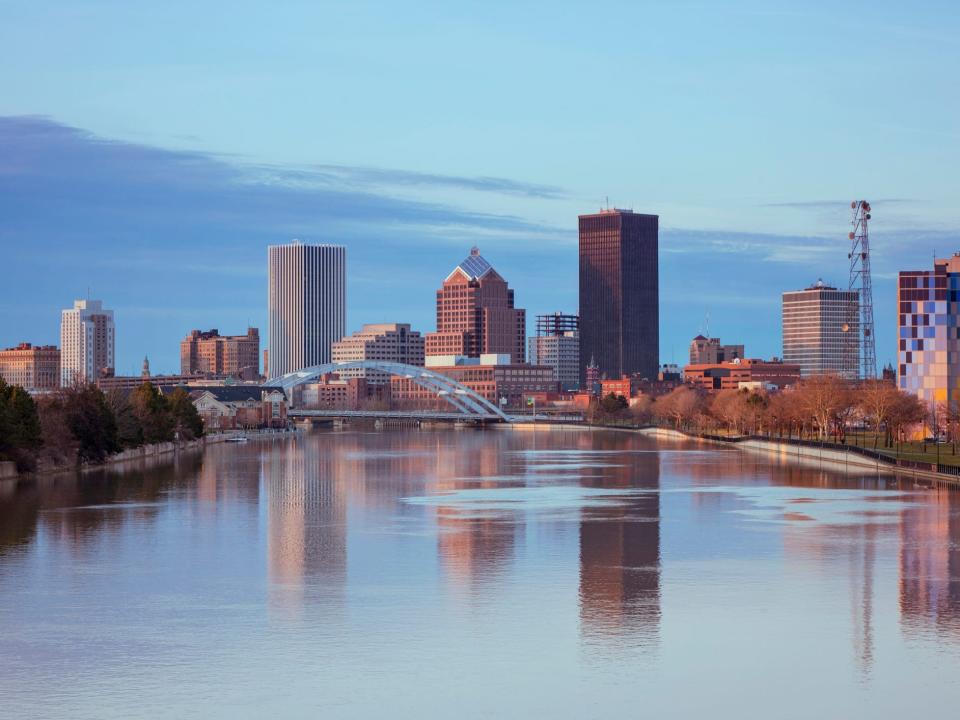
(477,574)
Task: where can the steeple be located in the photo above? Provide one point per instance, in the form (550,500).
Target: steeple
(145,372)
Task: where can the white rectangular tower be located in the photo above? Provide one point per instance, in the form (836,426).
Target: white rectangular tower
(87,343)
(306,304)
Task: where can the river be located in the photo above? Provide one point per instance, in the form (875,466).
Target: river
(477,574)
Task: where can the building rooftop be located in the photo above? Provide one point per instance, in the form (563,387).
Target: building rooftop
(232,393)
(474,266)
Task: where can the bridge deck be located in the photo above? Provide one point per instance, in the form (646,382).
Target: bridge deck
(427,415)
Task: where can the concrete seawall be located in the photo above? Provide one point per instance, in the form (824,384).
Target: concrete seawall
(813,456)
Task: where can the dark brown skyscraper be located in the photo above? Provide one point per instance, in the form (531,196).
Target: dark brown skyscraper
(619,293)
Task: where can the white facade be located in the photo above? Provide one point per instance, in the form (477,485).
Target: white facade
(306,304)
(821,330)
(87,342)
(562,353)
(390,342)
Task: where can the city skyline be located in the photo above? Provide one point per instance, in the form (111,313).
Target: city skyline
(752,163)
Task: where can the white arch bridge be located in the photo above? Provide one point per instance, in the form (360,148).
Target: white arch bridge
(465,404)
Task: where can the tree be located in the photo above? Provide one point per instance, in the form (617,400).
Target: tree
(642,409)
(681,405)
(821,398)
(129,429)
(613,404)
(20,433)
(91,423)
(187,422)
(907,410)
(153,413)
(876,400)
(59,444)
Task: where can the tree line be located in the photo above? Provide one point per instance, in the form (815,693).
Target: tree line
(82,424)
(821,407)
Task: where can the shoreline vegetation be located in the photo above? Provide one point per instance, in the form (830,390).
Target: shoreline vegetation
(81,425)
(870,418)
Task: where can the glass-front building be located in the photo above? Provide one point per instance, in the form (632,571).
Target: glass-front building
(619,294)
(928,357)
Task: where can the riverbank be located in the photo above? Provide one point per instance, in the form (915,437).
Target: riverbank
(832,458)
(144,454)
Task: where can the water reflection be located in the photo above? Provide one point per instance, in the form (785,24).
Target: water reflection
(620,554)
(564,561)
(306,526)
(930,567)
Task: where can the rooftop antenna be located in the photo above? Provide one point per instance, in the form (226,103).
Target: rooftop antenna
(708,324)
(865,349)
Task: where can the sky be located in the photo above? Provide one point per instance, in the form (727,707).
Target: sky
(149,153)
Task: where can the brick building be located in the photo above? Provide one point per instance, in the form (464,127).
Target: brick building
(704,350)
(476,314)
(486,376)
(742,373)
(210,353)
(240,407)
(31,367)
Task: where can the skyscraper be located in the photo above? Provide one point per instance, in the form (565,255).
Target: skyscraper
(475,314)
(928,314)
(306,304)
(87,342)
(619,293)
(821,330)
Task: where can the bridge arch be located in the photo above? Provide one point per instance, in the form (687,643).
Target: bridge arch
(466,401)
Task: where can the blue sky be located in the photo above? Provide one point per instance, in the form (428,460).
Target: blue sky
(150,152)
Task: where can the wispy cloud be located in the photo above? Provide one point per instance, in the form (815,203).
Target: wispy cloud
(356,177)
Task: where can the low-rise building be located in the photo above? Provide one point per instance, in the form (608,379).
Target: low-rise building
(240,407)
(32,367)
(493,376)
(742,373)
(707,350)
(331,391)
(210,353)
(387,342)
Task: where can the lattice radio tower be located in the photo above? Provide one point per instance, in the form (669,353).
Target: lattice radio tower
(860,281)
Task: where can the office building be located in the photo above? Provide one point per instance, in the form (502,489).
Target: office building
(87,343)
(387,342)
(210,353)
(619,293)
(821,330)
(928,315)
(743,373)
(476,314)
(704,350)
(495,377)
(557,345)
(31,367)
(306,304)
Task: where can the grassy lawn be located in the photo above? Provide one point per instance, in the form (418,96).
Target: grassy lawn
(907,450)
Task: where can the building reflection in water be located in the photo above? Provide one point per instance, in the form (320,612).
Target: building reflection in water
(306,526)
(930,566)
(620,551)
(474,545)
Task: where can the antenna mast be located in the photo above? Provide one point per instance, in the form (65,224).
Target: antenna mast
(860,281)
